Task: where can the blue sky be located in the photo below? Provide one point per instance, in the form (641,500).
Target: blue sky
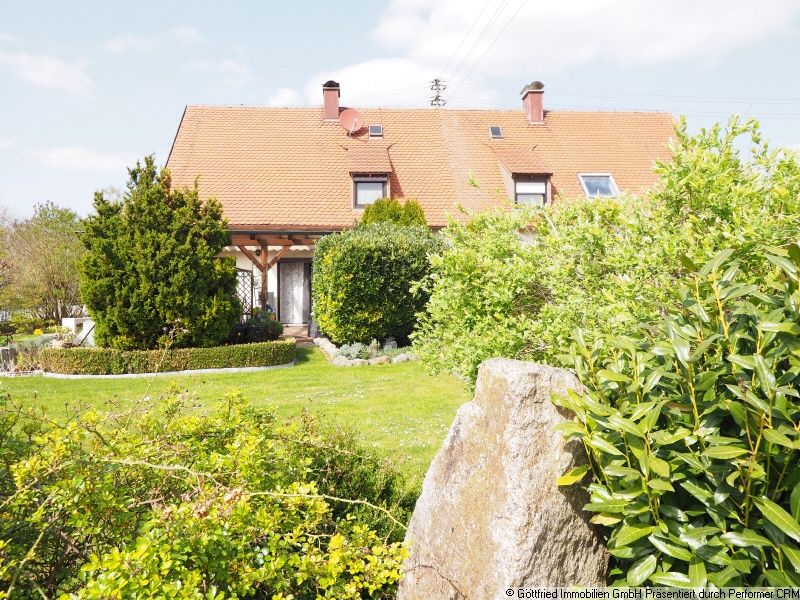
(86,88)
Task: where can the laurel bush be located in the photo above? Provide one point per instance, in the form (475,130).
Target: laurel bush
(692,433)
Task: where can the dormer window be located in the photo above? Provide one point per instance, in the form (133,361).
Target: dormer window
(369,188)
(531,190)
(598,185)
(376,131)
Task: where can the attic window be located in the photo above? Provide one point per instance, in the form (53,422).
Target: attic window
(369,188)
(598,185)
(531,190)
(375,131)
(496,132)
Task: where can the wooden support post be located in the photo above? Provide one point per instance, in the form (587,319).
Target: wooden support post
(278,256)
(264,269)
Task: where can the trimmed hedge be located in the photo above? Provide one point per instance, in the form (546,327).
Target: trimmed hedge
(110,361)
(363,281)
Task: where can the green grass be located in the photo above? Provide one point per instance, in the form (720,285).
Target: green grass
(397,409)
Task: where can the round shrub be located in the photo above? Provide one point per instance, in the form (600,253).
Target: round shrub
(258,328)
(390,210)
(363,282)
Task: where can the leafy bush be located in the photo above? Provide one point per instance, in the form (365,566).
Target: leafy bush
(362,281)
(258,328)
(518,284)
(26,324)
(167,503)
(109,361)
(390,210)
(152,274)
(693,438)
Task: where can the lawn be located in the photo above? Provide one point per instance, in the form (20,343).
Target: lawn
(397,409)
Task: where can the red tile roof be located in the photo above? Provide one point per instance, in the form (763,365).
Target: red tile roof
(288,169)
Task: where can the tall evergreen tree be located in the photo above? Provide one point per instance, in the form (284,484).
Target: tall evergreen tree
(152,270)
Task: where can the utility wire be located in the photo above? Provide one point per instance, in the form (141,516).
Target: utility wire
(485,52)
(466,36)
(489,24)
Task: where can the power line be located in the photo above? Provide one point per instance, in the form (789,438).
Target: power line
(466,36)
(485,52)
(489,24)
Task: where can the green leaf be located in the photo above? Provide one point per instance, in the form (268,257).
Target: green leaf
(606,520)
(794,502)
(606,375)
(764,374)
(793,554)
(746,362)
(601,444)
(671,579)
(724,452)
(661,485)
(697,572)
(670,549)
(776,437)
(681,350)
(784,264)
(778,517)
(569,428)
(641,570)
(698,492)
(628,534)
(617,471)
(780,327)
(574,476)
(659,466)
(716,262)
(744,539)
(611,506)
(626,425)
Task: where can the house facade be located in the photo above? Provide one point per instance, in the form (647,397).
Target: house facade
(287,176)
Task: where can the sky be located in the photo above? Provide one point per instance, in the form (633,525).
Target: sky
(88,87)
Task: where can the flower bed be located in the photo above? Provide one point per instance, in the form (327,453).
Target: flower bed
(108,361)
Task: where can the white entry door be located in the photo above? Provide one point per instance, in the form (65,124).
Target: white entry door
(294,306)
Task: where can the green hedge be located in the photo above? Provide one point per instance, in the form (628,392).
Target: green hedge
(363,281)
(110,361)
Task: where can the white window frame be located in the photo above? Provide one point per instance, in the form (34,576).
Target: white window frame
(496,137)
(614,186)
(368,179)
(376,135)
(532,178)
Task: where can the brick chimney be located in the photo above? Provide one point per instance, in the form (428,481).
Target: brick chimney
(330,100)
(532,101)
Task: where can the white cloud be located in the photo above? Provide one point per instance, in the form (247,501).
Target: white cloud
(285,97)
(8,38)
(184,35)
(232,73)
(6,142)
(73,158)
(548,36)
(47,72)
(533,38)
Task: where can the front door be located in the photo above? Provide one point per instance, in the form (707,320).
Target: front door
(294,292)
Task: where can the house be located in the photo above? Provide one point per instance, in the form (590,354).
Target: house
(286,176)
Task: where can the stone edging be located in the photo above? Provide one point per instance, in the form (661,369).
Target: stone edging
(332,352)
(165,373)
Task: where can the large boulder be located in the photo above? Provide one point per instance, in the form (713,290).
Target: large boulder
(490,516)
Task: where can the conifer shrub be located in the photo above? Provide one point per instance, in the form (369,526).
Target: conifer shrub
(391,210)
(363,281)
(152,275)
